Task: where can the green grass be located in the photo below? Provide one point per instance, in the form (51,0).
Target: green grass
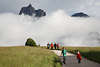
(28,57)
(91,53)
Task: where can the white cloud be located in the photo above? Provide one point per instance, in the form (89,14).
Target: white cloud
(58,26)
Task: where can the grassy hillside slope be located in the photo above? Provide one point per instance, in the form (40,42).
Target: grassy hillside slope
(27,57)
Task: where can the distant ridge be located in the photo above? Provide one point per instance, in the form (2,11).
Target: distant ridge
(80,14)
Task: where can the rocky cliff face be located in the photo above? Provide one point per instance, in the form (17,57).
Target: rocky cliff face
(29,10)
(81,14)
(40,13)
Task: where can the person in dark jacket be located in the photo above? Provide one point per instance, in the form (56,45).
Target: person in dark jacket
(55,45)
(48,45)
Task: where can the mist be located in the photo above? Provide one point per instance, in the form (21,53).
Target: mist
(58,27)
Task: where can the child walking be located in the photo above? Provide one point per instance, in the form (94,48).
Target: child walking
(64,51)
(79,58)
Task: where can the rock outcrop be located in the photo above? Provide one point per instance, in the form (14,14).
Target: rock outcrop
(81,14)
(29,10)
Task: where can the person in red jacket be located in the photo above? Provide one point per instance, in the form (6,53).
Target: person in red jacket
(79,58)
(51,46)
(57,46)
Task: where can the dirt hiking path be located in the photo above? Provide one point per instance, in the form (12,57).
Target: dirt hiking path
(71,61)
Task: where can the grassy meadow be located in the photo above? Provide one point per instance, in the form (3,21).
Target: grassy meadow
(28,57)
(91,53)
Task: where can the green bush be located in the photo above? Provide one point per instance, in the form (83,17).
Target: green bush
(30,42)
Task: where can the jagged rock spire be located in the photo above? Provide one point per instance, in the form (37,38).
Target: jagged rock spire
(29,10)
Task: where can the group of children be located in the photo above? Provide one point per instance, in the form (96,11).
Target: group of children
(55,46)
(64,52)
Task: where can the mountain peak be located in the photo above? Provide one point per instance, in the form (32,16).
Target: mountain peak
(80,14)
(30,5)
(29,10)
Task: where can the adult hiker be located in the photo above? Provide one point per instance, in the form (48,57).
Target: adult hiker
(79,58)
(64,51)
(51,46)
(55,45)
(48,45)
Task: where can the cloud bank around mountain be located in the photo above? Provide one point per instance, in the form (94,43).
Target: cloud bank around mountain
(56,27)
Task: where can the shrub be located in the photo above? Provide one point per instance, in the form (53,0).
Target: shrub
(30,42)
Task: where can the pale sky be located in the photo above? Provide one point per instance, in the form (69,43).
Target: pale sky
(90,7)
